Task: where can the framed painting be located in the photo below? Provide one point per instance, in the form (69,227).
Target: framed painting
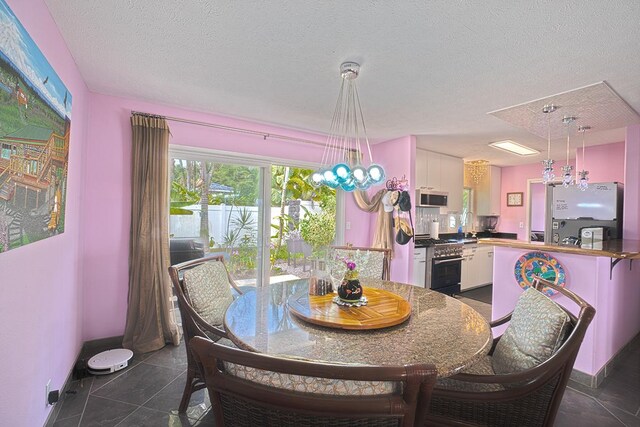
(35,124)
(514,199)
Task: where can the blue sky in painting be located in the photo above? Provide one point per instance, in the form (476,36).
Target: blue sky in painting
(17,45)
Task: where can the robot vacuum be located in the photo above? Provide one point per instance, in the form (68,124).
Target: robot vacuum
(109,361)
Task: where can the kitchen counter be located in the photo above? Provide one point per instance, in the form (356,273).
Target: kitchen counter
(622,248)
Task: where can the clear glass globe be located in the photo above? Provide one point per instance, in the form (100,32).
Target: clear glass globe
(330,179)
(376,174)
(359,174)
(317,178)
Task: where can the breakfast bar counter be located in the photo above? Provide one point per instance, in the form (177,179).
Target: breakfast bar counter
(440,330)
(621,249)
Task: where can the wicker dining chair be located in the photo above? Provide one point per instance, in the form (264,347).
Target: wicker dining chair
(193,323)
(253,389)
(376,262)
(524,397)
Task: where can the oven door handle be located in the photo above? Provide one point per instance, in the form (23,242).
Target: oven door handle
(436,261)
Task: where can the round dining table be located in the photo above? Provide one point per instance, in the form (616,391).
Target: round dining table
(440,330)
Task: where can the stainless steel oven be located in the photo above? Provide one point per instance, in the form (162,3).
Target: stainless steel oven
(444,267)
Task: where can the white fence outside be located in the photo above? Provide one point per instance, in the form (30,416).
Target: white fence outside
(222,218)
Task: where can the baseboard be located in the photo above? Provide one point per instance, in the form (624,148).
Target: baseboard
(88,350)
(594,381)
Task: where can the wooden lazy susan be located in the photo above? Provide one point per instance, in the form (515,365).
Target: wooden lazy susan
(384,309)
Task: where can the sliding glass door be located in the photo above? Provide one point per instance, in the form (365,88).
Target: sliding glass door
(262,216)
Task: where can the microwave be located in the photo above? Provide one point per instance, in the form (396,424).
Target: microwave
(431,199)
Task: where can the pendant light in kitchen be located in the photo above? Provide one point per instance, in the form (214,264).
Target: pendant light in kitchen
(583,179)
(547,171)
(567,176)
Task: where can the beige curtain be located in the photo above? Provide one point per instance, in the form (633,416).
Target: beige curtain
(383,234)
(149,321)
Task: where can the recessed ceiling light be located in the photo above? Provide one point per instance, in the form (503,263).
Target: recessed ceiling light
(514,148)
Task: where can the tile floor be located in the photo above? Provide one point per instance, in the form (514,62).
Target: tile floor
(148,392)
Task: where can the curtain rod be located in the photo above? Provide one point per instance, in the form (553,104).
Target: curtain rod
(264,135)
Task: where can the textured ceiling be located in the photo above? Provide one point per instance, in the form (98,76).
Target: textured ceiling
(431,69)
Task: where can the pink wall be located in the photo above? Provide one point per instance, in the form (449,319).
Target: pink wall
(631,214)
(398,158)
(605,163)
(42,292)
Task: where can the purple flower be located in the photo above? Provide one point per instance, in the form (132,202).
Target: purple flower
(351,265)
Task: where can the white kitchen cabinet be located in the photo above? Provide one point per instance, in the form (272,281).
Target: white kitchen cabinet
(452,181)
(484,255)
(419,267)
(477,266)
(421,168)
(468,274)
(440,172)
(488,192)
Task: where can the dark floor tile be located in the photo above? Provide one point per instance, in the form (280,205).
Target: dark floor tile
(628,419)
(139,384)
(170,356)
(101,380)
(578,409)
(620,391)
(143,417)
(105,412)
(169,399)
(74,398)
(68,422)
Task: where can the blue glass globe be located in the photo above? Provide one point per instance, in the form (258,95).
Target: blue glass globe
(348,185)
(376,173)
(342,172)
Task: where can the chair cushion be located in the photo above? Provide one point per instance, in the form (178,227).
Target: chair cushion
(536,331)
(207,287)
(481,367)
(313,385)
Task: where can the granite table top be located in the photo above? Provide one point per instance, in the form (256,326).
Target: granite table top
(441,330)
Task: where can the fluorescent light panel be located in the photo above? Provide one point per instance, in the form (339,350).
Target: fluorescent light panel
(514,148)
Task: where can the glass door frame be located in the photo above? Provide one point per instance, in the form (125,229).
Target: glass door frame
(264,163)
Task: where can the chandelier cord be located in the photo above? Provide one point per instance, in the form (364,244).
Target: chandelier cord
(548,136)
(364,127)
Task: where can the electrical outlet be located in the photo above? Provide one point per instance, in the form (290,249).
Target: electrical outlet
(47,389)
(347,225)
(521,224)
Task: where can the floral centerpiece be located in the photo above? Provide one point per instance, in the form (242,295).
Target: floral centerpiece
(350,289)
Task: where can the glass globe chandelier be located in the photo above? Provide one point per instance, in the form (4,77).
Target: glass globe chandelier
(582,179)
(567,176)
(342,159)
(547,165)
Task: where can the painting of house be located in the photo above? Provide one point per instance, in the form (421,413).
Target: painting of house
(35,123)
